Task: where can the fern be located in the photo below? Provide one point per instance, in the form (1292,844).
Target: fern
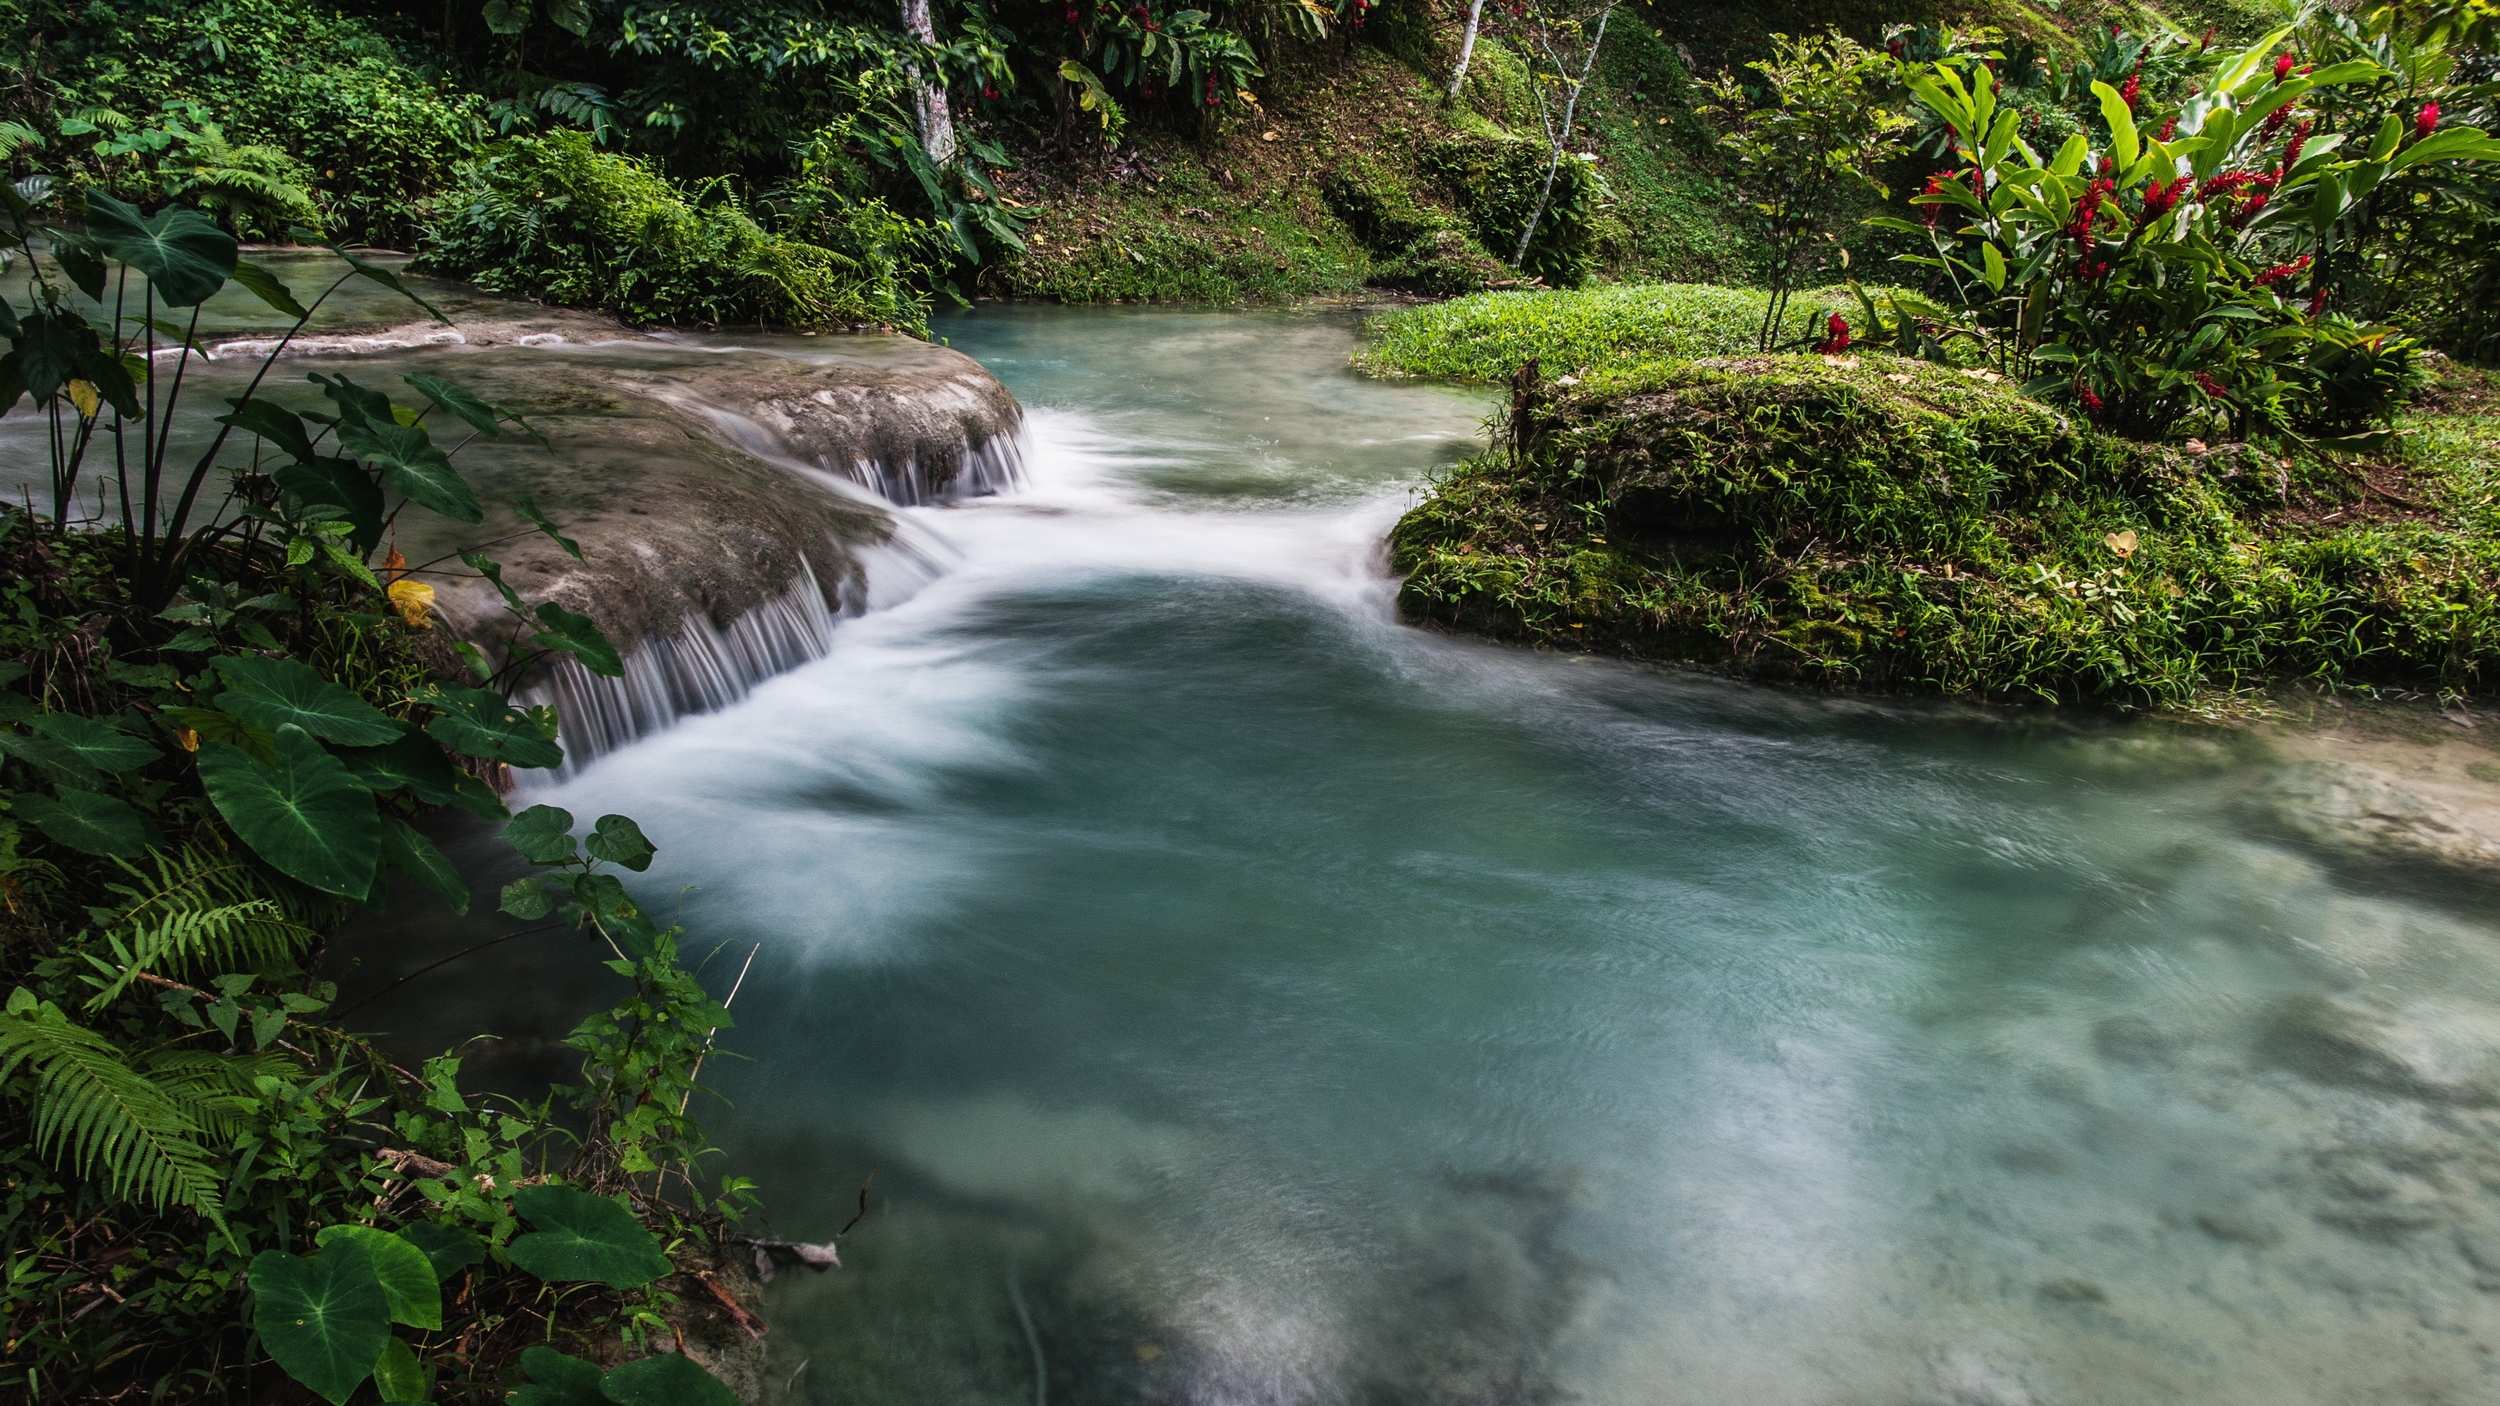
(94,1114)
(219,1091)
(199,909)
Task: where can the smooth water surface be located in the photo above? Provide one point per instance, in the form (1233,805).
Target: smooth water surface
(1241,997)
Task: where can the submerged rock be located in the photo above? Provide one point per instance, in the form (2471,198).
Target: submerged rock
(2361,814)
(2416,1053)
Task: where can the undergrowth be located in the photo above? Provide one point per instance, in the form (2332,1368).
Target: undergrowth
(1582,331)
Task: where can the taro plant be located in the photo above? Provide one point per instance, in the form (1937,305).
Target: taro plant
(2159,280)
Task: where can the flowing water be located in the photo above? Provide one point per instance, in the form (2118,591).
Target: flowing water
(1242,998)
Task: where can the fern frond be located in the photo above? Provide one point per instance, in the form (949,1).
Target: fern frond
(200,910)
(218,1091)
(97,1116)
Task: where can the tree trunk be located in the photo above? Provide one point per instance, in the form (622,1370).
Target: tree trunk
(937,125)
(1466,47)
(1561,139)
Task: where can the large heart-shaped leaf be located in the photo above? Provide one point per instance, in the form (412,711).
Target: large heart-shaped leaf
(271,422)
(670,1379)
(412,854)
(406,1275)
(449,1248)
(274,693)
(618,840)
(457,399)
(58,762)
(561,629)
(477,722)
(264,285)
(399,1377)
(97,743)
(557,1380)
(87,822)
(543,834)
(183,253)
(305,814)
(325,1319)
(581,1236)
(411,463)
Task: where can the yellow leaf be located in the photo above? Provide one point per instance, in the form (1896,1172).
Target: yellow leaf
(83,395)
(415,600)
(2123,543)
(393,564)
(190,740)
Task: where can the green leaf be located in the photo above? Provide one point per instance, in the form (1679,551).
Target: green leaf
(543,835)
(406,1275)
(478,722)
(398,1377)
(214,726)
(528,899)
(279,426)
(670,1379)
(2390,132)
(325,1319)
(341,484)
(457,399)
(580,1236)
(84,263)
(414,761)
(185,256)
(561,629)
(411,463)
(304,814)
(88,823)
(449,1248)
(2122,139)
(557,1380)
(262,284)
(529,513)
(1994,271)
(619,840)
(412,854)
(375,273)
(56,761)
(97,743)
(274,693)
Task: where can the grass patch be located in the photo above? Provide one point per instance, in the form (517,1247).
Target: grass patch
(1894,524)
(1594,331)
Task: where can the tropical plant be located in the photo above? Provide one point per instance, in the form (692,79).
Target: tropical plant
(2154,281)
(1807,141)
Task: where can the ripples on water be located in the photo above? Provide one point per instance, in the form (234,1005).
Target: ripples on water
(1311,1009)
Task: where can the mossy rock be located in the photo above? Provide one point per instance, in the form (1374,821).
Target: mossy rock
(1868,521)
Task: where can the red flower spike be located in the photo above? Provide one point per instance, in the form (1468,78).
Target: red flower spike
(2168,129)
(2208,41)
(1935,186)
(2300,138)
(2425,120)
(2134,85)
(2317,302)
(2090,401)
(1837,339)
(2283,67)
(2210,386)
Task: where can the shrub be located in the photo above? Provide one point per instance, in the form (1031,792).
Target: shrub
(554,218)
(1415,246)
(1495,180)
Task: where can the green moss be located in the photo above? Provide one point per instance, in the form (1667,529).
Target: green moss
(1891,523)
(1603,331)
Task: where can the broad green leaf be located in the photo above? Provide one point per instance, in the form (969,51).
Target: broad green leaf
(97,743)
(87,822)
(616,839)
(281,427)
(262,284)
(273,693)
(2070,156)
(343,485)
(412,854)
(55,760)
(670,1379)
(407,1276)
(543,835)
(449,1248)
(561,629)
(530,514)
(2449,144)
(528,899)
(375,273)
(2390,132)
(83,262)
(411,463)
(571,16)
(2349,71)
(304,814)
(456,399)
(477,722)
(185,256)
(2114,110)
(579,1236)
(417,762)
(1994,272)
(398,1377)
(210,725)
(325,1319)
(558,1380)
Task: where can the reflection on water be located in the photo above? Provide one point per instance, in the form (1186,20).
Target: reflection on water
(1278,1004)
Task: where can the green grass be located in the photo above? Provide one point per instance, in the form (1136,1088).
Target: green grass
(1603,330)
(1894,524)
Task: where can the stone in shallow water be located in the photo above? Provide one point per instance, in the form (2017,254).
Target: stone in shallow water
(2418,1051)
(2363,814)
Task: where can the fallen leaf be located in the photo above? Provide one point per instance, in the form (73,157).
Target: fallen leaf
(1978,375)
(1845,363)
(2197,446)
(1268,136)
(415,600)
(1898,378)
(2123,543)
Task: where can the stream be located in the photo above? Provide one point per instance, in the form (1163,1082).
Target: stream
(1240,997)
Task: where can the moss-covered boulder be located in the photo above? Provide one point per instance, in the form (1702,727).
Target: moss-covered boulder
(1872,521)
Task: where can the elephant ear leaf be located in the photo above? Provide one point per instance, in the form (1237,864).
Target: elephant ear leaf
(477,722)
(669,1379)
(325,1319)
(89,823)
(304,813)
(185,256)
(262,284)
(561,629)
(411,463)
(579,1236)
(460,401)
(449,1248)
(558,1380)
(618,840)
(407,1277)
(273,693)
(97,743)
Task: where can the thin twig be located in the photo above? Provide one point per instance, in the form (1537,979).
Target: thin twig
(454,957)
(697,1072)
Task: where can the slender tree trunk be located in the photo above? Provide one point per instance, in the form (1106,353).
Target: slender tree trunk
(937,125)
(1466,47)
(1571,105)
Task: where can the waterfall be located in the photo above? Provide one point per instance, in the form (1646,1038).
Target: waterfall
(991,468)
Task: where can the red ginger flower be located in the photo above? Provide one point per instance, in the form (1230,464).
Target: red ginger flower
(2210,386)
(1838,339)
(2134,85)
(2275,121)
(2282,67)
(2317,302)
(2208,41)
(2168,128)
(2223,184)
(1935,186)
(2091,402)
(2160,196)
(2280,272)
(2425,120)
(2300,138)
(2089,208)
